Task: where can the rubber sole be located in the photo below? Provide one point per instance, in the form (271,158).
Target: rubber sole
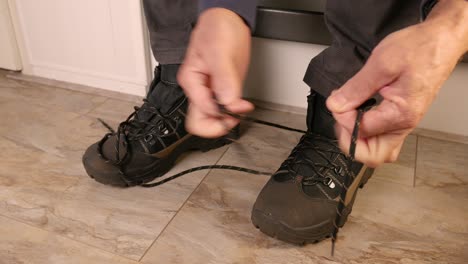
(114,177)
(304,235)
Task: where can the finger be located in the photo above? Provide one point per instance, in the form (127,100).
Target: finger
(346,120)
(195,83)
(372,151)
(372,77)
(226,81)
(383,119)
(200,124)
(394,155)
(241,107)
(363,152)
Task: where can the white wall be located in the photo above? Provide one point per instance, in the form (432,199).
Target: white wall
(99,43)
(278,68)
(9,53)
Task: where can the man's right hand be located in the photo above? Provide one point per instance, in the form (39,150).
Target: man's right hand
(214,70)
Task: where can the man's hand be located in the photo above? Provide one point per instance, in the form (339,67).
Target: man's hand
(407,68)
(214,70)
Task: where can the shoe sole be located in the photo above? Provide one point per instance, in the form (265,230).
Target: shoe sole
(160,167)
(304,235)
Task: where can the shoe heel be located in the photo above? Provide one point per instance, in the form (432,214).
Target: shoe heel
(367,175)
(209,144)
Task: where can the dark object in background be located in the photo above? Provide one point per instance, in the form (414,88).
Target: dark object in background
(295,20)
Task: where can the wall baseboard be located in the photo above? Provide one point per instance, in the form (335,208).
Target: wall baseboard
(278,107)
(87,80)
(429,133)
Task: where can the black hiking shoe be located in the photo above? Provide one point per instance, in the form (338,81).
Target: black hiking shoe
(299,203)
(148,143)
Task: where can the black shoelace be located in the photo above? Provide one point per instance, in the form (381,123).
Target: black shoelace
(324,148)
(137,125)
(349,176)
(141,130)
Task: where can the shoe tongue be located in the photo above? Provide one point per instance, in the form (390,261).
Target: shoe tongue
(166,92)
(323,122)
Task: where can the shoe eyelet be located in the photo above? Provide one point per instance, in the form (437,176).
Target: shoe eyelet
(148,138)
(338,170)
(329,182)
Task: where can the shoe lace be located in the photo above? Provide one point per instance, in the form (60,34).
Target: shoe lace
(145,122)
(322,147)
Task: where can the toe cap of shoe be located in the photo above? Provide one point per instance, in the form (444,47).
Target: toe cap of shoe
(285,202)
(99,168)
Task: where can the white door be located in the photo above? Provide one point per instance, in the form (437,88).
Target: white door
(9,53)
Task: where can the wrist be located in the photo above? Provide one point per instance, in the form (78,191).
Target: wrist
(449,20)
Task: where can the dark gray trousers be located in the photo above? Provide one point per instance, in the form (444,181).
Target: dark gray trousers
(170,23)
(357,26)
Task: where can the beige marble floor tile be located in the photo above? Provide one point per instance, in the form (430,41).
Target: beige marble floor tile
(21,243)
(442,164)
(57,138)
(125,221)
(260,147)
(44,184)
(403,170)
(431,216)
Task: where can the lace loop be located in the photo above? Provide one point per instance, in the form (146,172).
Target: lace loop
(319,171)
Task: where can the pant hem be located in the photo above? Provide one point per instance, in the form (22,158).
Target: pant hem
(169,56)
(320,82)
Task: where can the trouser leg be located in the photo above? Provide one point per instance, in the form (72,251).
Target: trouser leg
(170,23)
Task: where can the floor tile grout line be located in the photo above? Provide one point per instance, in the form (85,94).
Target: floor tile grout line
(415,171)
(97,106)
(66,237)
(181,207)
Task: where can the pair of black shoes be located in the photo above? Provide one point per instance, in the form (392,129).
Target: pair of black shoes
(297,205)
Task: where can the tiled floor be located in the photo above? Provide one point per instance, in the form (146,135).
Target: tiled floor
(413,211)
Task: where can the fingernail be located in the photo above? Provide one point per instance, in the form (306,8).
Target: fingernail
(337,101)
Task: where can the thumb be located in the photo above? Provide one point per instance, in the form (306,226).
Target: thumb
(362,86)
(226,83)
